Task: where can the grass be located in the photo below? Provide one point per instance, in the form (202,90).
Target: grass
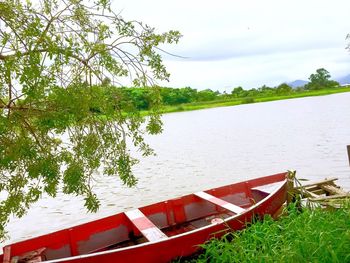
(309,236)
(239,101)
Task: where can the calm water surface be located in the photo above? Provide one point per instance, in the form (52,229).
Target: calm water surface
(207,148)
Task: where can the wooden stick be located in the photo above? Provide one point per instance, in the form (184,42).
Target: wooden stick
(317,183)
(333,190)
(323,198)
(290,186)
(317,191)
(348,147)
(310,194)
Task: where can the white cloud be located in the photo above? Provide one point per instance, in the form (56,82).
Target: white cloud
(254,71)
(250,42)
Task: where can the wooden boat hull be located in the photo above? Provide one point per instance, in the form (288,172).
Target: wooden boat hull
(93,242)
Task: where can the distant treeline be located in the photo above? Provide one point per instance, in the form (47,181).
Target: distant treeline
(140,98)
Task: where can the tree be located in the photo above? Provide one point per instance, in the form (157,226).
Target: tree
(188,95)
(137,98)
(236,92)
(175,96)
(320,80)
(283,89)
(58,60)
(207,95)
(266,91)
(253,92)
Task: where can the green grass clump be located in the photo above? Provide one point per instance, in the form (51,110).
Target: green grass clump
(248,100)
(310,236)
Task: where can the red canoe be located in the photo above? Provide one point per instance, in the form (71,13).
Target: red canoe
(159,232)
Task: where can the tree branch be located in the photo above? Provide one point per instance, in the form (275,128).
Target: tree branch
(31,131)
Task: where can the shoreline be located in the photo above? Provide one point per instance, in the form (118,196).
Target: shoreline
(247,100)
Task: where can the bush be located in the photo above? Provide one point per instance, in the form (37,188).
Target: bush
(310,236)
(248,100)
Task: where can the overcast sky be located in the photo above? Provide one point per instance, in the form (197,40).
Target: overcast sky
(248,43)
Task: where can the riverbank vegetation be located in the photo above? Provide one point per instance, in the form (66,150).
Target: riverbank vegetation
(308,236)
(185,99)
(246,100)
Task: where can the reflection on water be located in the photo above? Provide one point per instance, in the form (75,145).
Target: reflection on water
(208,148)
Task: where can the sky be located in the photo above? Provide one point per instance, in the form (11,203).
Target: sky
(248,43)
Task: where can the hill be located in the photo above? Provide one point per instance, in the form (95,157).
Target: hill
(344,80)
(298,83)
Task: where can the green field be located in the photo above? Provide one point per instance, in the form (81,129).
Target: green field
(239,101)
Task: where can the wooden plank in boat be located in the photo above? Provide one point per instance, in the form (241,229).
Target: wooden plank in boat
(145,226)
(220,202)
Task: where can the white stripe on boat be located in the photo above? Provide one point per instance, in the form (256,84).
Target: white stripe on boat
(145,226)
(220,202)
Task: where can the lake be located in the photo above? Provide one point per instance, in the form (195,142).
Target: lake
(208,148)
